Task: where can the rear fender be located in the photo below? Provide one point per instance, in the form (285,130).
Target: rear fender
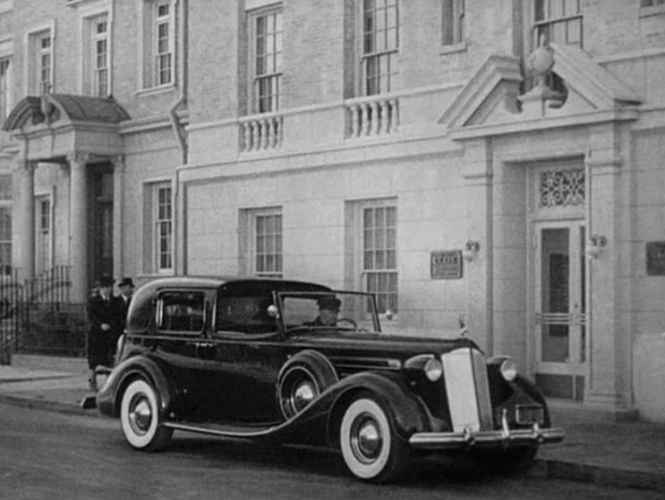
(408,413)
(108,399)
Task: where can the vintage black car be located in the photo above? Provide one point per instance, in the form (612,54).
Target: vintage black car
(255,358)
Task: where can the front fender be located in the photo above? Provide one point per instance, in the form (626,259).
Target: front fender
(108,399)
(409,414)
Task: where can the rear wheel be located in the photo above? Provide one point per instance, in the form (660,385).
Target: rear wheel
(370,447)
(140,418)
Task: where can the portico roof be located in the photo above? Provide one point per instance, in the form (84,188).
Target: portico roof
(75,108)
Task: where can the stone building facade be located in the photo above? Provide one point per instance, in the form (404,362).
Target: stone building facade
(427,151)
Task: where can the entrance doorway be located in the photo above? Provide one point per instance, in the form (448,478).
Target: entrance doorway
(560,305)
(100,225)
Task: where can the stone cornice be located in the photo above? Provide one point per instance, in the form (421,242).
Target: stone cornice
(528,126)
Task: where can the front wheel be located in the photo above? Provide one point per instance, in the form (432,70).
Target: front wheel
(140,419)
(370,447)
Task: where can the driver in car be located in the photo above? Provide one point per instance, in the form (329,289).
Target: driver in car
(328,311)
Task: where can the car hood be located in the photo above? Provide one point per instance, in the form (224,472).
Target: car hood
(378,343)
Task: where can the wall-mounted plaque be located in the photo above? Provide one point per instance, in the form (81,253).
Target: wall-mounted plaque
(446,265)
(656,258)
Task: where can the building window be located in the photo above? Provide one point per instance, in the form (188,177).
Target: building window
(452,22)
(266,30)
(40,62)
(5,87)
(158,43)
(379,258)
(380,45)
(267,248)
(5,223)
(558,21)
(100,57)
(43,243)
(651,3)
(163,217)
(561,188)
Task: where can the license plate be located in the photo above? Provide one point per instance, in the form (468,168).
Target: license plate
(528,414)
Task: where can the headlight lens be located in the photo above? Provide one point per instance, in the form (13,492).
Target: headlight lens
(433,369)
(508,369)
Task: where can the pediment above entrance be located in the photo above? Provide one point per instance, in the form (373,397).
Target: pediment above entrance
(492,96)
(55,124)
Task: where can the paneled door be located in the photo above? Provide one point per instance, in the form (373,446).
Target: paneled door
(560,305)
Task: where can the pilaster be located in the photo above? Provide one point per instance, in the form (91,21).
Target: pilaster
(26,253)
(78,213)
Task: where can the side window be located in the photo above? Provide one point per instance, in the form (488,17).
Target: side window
(244,314)
(181,311)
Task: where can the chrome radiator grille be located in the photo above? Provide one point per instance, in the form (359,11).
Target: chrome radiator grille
(467,387)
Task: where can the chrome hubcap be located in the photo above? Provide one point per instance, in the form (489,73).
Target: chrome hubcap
(366,439)
(302,395)
(140,414)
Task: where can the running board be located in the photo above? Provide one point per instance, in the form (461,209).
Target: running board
(235,431)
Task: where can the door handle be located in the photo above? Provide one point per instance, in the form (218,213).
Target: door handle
(203,345)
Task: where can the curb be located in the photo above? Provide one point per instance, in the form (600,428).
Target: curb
(43,404)
(599,475)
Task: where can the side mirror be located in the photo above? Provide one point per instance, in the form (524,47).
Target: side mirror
(272,311)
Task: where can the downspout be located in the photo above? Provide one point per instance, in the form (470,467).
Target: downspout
(178,128)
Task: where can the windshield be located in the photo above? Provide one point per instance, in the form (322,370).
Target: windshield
(329,310)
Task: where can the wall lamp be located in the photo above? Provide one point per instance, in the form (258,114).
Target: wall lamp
(596,243)
(471,249)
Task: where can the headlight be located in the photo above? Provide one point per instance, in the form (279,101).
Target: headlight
(508,369)
(433,369)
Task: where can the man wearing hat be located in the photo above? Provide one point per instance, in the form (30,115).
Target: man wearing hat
(328,311)
(126,287)
(104,312)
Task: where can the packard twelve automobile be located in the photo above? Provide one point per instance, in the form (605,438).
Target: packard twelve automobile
(300,363)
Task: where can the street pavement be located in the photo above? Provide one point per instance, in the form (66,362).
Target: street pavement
(597,449)
(47,455)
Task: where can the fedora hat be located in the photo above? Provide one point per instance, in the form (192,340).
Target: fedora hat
(126,281)
(106,281)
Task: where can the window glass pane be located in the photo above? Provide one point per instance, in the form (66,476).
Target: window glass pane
(182,311)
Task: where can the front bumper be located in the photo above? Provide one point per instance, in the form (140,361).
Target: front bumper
(504,438)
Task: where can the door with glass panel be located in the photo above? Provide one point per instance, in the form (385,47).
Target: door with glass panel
(561,319)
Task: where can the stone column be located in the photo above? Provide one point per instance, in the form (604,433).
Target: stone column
(26,170)
(78,236)
(118,213)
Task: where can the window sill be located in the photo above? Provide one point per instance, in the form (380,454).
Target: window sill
(453,48)
(654,10)
(161,89)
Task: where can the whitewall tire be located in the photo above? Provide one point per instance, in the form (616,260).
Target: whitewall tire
(370,448)
(140,417)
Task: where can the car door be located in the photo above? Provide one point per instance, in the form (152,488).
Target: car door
(179,338)
(250,352)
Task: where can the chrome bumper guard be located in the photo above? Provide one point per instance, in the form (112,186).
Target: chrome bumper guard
(504,438)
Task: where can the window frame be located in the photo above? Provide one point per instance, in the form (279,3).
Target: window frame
(391,54)
(159,312)
(458,23)
(148,46)
(44,235)
(6,82)
(356,245)
(95,69)
(158,21)
(157,221)
(549,20)
(7,204)
(254,78)
(31,68)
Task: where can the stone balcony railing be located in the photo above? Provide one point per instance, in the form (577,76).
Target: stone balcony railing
(371,116)
(261,132)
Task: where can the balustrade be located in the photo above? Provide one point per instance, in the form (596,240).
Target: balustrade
(261,132)
(372,116)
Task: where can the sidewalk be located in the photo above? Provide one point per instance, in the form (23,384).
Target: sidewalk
(596,449)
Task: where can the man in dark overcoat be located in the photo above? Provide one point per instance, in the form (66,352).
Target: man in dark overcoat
(126,287)
(104,315)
